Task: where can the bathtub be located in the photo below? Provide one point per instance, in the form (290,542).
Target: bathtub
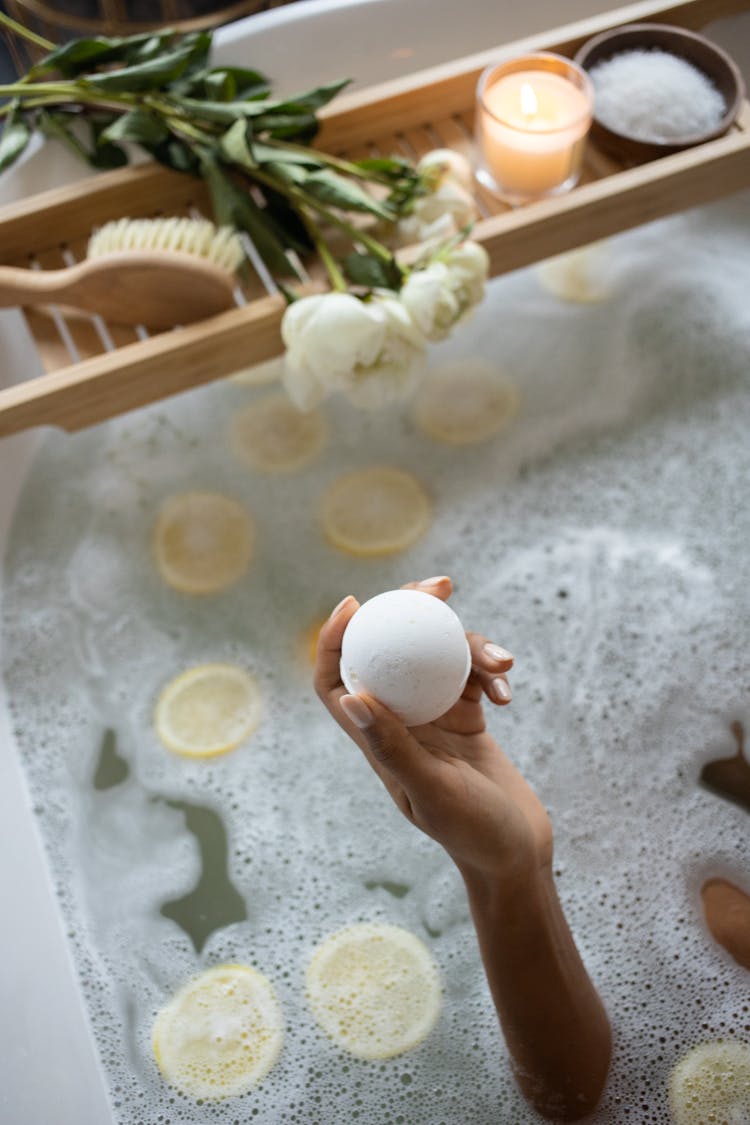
(49,1071)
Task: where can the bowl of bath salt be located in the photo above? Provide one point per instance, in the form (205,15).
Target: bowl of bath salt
(658,89)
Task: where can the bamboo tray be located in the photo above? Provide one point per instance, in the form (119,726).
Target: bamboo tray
(96,370)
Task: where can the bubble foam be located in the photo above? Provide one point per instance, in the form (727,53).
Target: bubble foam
(602,537)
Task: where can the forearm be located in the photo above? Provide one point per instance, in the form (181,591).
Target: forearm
(554,1022)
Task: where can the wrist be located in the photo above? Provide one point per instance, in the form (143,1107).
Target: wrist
(518,889)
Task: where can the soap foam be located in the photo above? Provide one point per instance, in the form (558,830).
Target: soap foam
(602,538)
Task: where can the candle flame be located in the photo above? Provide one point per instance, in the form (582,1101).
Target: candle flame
(529,104)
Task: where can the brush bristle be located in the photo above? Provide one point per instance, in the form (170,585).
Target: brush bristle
(220,245)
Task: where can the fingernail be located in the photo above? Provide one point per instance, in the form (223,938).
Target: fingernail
(434,581)
(500,691)
(339,607)
(357,711)
(497,653)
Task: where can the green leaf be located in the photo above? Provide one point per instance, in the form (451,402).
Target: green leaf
(312,99)
(231,83)
(286,173)
(139,126)
(336,191)
(233,207)
(388,165)
(79,54)
(174,154)
(16,135)
(235,148)
(155,72)
(58,126)
(300,127)
(271,154)
(372,272)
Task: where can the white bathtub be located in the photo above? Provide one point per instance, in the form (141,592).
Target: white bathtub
(49,1072)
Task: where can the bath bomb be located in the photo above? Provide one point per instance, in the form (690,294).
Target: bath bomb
(408,650)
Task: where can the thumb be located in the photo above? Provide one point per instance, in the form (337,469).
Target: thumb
(390,744)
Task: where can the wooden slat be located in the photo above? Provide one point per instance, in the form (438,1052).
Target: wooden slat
(144,372)
(136,373)
(36,222)
(617,203)
(450,87)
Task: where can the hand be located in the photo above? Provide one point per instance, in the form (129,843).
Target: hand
(449,777)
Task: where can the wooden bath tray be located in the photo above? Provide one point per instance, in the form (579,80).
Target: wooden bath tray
(95,371)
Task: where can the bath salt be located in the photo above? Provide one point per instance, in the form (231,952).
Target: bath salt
(655,96)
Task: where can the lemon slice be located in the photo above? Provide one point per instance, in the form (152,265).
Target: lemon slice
(711,1083)
(220,1034)
(274,436)
(577,276)
(462,403)
(208,710)
(375,511)
(374,989)
(308,640)
(203,542)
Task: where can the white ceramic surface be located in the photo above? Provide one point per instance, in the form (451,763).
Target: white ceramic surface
(49,1072)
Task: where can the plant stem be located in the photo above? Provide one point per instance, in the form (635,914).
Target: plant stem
(302,200)
(24,33)
(338,281)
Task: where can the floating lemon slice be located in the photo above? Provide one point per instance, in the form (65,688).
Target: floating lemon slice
(576,276)
(203,542)
(374,989)
(462,403)
(308,641)
(711,1083)
(208,710)
(375,511)
(220,1034)
(274,436)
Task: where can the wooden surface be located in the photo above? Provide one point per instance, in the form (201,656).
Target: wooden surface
(97,370)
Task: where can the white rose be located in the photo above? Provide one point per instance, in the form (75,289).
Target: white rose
(428,297)
(442,293)
(438,216)
(448,164)
(371,350)
(410,230)
(469,267)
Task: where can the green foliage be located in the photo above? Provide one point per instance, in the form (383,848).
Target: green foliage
(158,90)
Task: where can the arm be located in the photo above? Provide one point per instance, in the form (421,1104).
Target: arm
(451,779)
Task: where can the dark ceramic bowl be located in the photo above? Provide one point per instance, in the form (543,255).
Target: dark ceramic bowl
(701,52)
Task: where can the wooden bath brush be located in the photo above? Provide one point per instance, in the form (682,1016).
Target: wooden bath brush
(154,272)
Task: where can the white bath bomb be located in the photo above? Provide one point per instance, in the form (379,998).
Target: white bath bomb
(408,650)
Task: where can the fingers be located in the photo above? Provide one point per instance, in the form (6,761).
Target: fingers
(327,674)
(390,746)
(440,586)
(489,665)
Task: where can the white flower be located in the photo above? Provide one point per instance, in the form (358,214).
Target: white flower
(442,293)
(428,297)
(438,215)
(371,350)
(469,265)
(445,163)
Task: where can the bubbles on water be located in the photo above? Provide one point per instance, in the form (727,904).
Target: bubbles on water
(602,538)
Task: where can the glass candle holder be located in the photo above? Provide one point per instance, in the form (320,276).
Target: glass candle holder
(533,116)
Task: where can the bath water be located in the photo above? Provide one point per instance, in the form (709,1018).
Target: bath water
(603,537)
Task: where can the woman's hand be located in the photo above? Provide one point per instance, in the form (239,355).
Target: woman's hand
(449,777)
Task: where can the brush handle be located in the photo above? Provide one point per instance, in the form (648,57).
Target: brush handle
(35,287)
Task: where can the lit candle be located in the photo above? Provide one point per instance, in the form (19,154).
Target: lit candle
(533,115)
